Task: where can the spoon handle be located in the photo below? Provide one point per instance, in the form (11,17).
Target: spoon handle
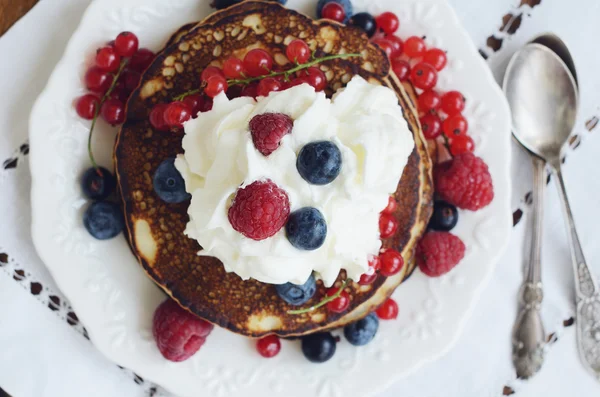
(529,337)
(587,291)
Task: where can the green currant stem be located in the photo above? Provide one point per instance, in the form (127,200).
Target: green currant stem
(97,113)
(298,68)
(186,94)
(446,141)
(90,151)
(286,74)
(325,301)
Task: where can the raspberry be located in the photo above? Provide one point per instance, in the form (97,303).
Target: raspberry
(439,252)
(465,182)
(268,129)
(178,333)
(259,210)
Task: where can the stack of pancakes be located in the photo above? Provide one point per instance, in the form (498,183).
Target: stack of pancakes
(156,229)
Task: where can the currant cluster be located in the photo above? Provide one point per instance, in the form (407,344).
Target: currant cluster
(413,61)
(253,76)
(117,67)
(112,78)
(441,113)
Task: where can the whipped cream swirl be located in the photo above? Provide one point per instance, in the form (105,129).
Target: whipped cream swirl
(364,120)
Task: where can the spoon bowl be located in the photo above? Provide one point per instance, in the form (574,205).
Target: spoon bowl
(558,46)
(543,96)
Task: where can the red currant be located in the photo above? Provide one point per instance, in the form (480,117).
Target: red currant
(367,279)
(107,59)
(119,92)
(401,69)
(113,111)
(388,311)
(414,47)
(215,85)
(210,72)
(455,125)
(461,144)
(391,207)
(233,68)
(298,52)
(234,92)
(334,11)
(269,346)
(258,62)
(126,44)
(206,105)
(131,80)
(397,43)
(339,304)
(251,90)
(388,225)
(374,265)
(385,45)
(429,100)
(436,58)
(293,83)
(423,76)
(157,117)
(388,22)
(314,77)
(196,103)
(97,80)
(431,125)
(177,113)
(268,85)
(141,60)
(375,262)
(391,262)
(453,102)
(87,106)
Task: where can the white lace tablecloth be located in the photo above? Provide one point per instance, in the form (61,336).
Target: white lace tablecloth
(44,350)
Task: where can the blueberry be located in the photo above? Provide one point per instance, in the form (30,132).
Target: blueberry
(98,184)
(297,294)
(318,348)
(366,22)
(221,4)
(344,3)
(363,331)
(306,229)
(319,162)
(103,220)
(444,218)
(168,183)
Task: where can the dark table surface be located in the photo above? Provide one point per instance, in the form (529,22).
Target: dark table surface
(10,12)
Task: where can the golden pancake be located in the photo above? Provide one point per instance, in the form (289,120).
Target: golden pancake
(156,229)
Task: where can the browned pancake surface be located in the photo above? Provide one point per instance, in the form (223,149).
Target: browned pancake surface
(155,228)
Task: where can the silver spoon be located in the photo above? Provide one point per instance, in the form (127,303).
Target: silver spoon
(543,95)
(559,47)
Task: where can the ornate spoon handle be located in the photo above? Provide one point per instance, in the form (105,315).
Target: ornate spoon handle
(588,294)
(529,337)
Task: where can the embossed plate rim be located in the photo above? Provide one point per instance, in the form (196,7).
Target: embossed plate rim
(115,300)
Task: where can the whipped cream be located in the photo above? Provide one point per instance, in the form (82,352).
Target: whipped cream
(364,120)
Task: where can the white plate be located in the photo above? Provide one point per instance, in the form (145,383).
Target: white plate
(114,298)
